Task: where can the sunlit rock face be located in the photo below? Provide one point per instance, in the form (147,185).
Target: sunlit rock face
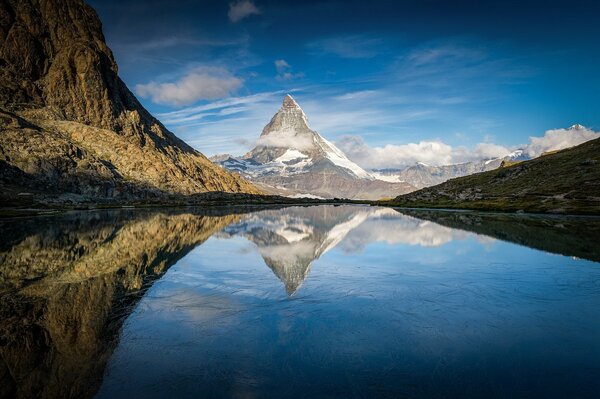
(292,159)
(69,123)
(67,284)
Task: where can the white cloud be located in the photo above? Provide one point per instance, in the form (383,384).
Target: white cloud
(281,65)
(286,139)
(557,139)
(230,125)
(242,9)
(438,153)
(430,152)
(203,83)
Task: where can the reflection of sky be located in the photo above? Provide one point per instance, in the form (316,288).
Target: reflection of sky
(464,316)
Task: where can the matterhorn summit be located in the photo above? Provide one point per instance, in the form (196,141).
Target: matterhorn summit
(292,159)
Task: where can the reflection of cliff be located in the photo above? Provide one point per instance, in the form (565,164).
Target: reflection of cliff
(76,279)
(570,236)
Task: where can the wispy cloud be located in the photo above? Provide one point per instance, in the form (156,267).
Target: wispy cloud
(231,125)
(242,9)
(201,83)
(352,46)
(284,71)
(455,66)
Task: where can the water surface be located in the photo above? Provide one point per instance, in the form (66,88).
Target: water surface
(346,301)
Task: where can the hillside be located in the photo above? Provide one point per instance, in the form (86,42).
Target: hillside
(566,181)
(70,127)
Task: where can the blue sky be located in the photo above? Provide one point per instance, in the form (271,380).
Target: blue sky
(379,73)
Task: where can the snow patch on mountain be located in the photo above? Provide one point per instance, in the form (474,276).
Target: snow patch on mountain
(338,158)
(291,155)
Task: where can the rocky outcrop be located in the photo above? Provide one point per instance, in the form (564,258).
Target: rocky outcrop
(69,123)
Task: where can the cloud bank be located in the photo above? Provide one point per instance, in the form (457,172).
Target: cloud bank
(557,139)
(437,153)
(242,9)
(203,83)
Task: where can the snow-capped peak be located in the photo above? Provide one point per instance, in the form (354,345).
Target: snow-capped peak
(577,126)
(515,154)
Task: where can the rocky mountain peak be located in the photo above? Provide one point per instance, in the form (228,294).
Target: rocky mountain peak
(289,102)
(289,122)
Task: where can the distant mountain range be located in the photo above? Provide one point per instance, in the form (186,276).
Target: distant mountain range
(422,175)
(292,159)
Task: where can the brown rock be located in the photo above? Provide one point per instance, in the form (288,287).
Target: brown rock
(69,123)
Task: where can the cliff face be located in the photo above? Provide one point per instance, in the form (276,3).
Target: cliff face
(69,123)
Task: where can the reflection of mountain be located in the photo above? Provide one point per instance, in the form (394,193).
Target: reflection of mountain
(564,235)
(69,283)
(289,240)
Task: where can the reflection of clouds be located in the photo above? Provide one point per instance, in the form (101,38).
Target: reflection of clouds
(395,228)
(189,305)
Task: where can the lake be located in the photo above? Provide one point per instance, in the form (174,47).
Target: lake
(302,302)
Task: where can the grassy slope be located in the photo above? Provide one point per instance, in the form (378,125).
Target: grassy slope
(567,181)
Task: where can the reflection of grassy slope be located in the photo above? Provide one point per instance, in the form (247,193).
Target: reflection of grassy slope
(567,181)
(79,278)
(570,236)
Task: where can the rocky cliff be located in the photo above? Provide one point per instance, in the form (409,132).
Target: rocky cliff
(68,123)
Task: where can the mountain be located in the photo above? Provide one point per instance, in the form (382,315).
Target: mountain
(71,127)
(422,175)
(292,159)
(566,181)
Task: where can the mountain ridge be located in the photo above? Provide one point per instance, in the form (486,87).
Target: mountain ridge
(71,127)
(291,159)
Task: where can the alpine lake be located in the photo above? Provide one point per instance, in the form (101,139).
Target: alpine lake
(325,301)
